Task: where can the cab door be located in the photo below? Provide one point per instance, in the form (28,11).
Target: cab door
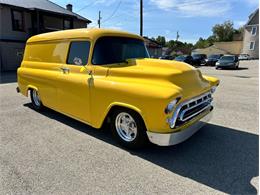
(74,83)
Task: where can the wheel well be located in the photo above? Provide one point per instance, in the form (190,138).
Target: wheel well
(116,107)
(29,89)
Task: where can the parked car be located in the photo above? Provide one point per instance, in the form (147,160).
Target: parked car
(185,58)
(228,61)
(244,57)
(166,57)
(100,76)
(212,59)
(199,59)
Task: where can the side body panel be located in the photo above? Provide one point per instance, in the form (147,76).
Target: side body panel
(40,70)
(74,92)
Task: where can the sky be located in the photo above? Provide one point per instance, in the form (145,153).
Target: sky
(191,18)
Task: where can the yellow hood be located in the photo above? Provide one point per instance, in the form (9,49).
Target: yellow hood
(183,77)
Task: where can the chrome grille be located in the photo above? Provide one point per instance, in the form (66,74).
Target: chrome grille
(187,110)
(194,107)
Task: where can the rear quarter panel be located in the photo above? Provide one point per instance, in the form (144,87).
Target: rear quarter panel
(40,68)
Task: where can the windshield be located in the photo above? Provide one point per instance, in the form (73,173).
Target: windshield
(227,58)
(180,58)
(214,56)
(110,50)
(196,56)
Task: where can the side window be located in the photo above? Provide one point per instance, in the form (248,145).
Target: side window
(253,31)
(17,20)
(252,45)
(78,53)
(67,24)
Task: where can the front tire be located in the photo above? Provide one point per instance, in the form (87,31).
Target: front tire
(35,99)
(128,128)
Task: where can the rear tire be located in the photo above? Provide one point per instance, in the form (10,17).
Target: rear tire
(128,128)
(35,99)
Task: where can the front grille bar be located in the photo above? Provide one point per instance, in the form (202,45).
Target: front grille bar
(182,118)
(183,112)
(180,114)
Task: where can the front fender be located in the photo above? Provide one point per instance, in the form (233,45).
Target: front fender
(147,100)
(212,80)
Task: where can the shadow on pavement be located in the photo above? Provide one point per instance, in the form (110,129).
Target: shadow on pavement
(222,158)
(232,69)
(8,77)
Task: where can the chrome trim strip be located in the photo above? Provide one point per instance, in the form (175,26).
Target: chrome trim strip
(174,138)
(173,119)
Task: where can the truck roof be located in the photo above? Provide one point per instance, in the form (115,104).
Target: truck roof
(80,33)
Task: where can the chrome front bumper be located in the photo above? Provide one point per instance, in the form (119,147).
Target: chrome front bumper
(174,138)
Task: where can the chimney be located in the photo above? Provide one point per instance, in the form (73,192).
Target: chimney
(69,7)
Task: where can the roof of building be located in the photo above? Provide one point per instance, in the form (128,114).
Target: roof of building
(251,17)
(42,5)
(233,47)
(81,33)
(152,43)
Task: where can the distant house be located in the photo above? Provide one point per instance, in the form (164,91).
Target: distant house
(233,47)
(154,48)
(166,51)
(251,36)
(20,19)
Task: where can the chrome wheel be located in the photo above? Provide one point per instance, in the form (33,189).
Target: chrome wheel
(36,98)
(126,126)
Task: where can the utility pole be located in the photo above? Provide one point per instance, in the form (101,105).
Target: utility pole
(99,19)
(178,36)
(141,17)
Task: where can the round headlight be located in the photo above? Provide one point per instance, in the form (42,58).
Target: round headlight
(213,89)
(171,105)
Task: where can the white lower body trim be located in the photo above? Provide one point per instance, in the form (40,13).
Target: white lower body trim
(168,139)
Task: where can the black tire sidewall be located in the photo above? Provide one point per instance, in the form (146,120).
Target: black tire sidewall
(36,107)
(141,138)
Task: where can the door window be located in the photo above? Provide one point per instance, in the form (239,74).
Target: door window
(78,53)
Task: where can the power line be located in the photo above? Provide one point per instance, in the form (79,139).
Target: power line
(114,12)
(86,6)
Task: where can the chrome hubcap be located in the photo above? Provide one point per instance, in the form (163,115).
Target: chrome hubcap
(36,98)
(126,126)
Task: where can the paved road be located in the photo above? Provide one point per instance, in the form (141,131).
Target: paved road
(47,152)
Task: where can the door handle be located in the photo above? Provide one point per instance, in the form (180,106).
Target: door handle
(65,70)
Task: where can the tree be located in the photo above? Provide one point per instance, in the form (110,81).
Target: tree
(239,31)
(211,40)
(161,40)
(203,43)
(223,32)
(178,46)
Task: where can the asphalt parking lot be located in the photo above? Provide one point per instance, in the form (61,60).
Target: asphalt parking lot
(44,153)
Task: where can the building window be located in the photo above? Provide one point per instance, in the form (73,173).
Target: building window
(254,30)
(17,20)
(78,53)
(68,24)
(252,45)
